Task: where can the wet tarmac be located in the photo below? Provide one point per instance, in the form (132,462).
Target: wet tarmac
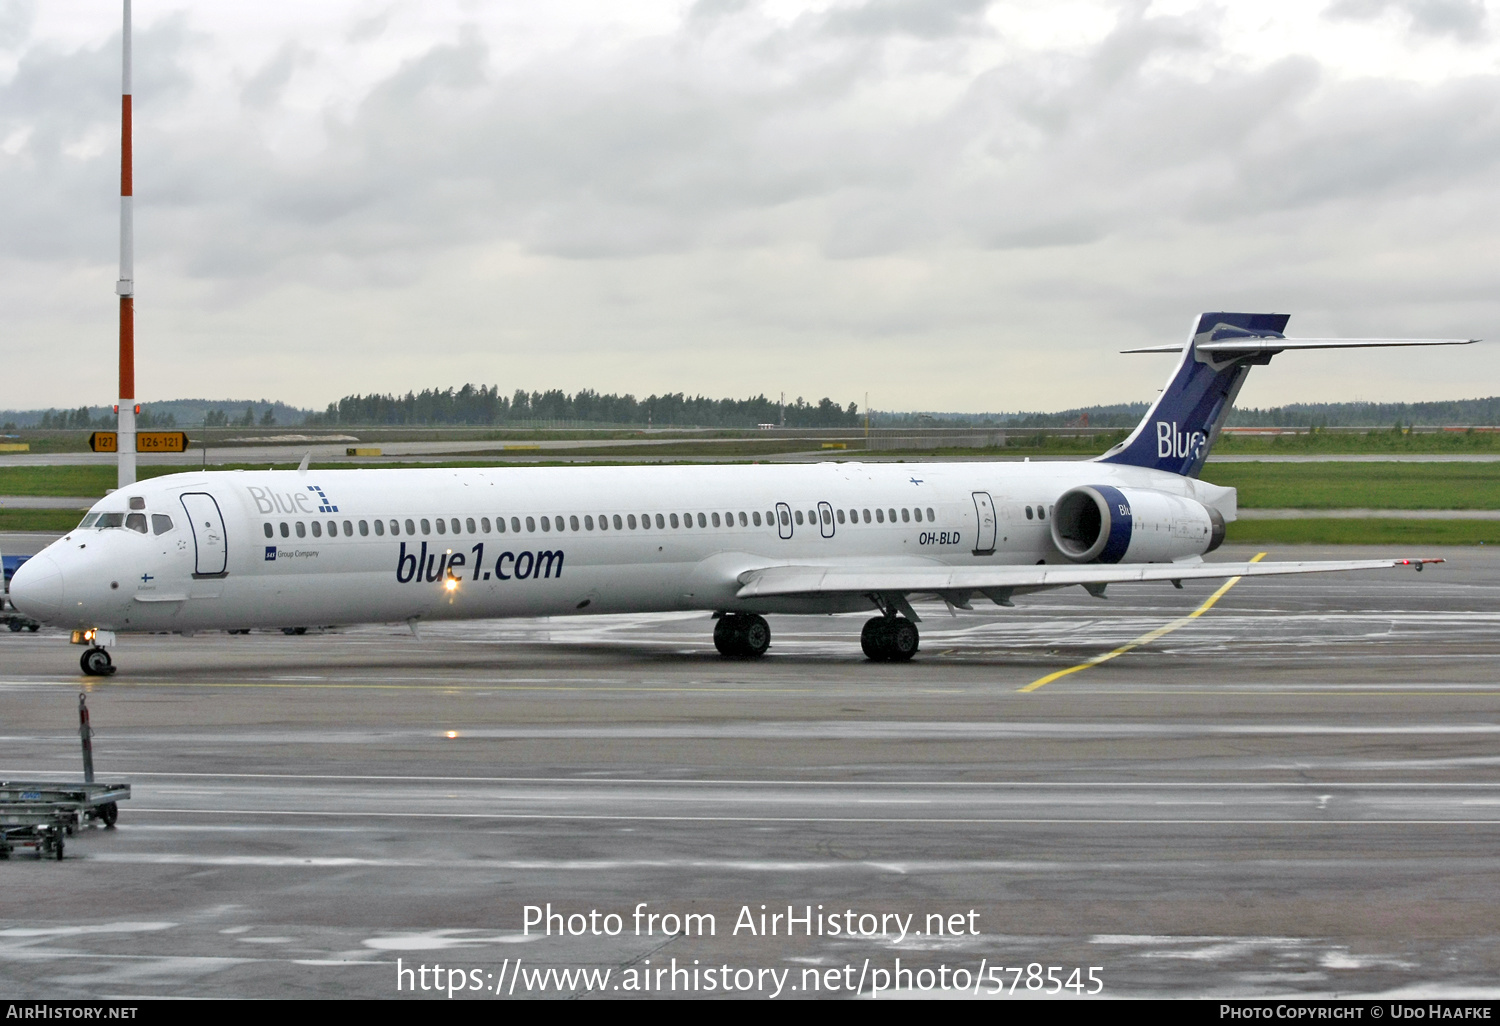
(1297,792)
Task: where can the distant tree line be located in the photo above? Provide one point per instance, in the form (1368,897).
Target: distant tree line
(108,420)
(482,405)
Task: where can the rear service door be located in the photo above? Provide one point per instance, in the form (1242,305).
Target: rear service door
(208,534)
(825,519)
(984,508)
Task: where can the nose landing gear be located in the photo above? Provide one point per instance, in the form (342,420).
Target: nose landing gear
(742,636)
(889,639)
(96,662)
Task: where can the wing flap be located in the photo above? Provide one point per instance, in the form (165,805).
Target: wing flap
(826,580)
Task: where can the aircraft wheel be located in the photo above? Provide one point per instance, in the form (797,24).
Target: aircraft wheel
(755,635)
(901,639)
(96,663)
(727,636)
(873,639)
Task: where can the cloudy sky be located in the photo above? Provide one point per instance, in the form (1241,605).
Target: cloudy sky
(948,204)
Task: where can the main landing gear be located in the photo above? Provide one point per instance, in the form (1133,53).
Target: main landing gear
(742,636)
(889,639)
(96,662)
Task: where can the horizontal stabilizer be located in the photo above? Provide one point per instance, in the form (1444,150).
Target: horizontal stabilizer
(832,580)
(1269,343)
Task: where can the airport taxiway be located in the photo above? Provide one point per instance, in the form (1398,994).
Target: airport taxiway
(1296,793)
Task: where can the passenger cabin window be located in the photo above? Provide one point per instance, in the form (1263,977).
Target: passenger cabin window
(469,523)
(285,532)
(161,524)
(744,521)
(546,524)
(136,522)
(301,529)
(905,515)
(867,516)
(1041,514)
(1028,512)
(269,532)
(755,518)
(716,519)
(917,513)
(456,528)
(380,528)
(348,529)
(616,519)
(317,529)
(484,524)
(411,528)
(880,516)
(931,516)
(673,519)
(799,516)
(442,527)
(573,523)
(364,528)
(631,519)
(661,523)
(530,523)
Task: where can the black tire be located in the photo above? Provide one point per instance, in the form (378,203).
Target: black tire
(95,662)
(57,849)
(109,812)
(33,627)
(727,636)
(756,636)
(902,639)
(16,626)
(873,639)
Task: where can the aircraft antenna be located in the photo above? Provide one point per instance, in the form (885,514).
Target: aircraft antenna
(125,286)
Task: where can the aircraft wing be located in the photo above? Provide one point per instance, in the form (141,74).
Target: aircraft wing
(1001,580)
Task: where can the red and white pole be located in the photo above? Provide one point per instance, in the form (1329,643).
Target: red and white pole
(125,287)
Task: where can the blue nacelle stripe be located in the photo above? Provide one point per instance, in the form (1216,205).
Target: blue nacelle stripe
(1121,523)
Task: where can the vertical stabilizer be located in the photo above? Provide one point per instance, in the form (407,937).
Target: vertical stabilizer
(1184,423)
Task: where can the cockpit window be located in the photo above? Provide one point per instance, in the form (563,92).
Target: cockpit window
(136,522)
(161,523)
(88,521)
(110,520)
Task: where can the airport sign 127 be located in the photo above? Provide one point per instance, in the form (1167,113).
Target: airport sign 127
(145,441)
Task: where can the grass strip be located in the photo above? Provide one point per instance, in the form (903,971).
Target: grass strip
(39,519)
(1370,531)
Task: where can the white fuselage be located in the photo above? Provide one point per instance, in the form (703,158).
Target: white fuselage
(282,548)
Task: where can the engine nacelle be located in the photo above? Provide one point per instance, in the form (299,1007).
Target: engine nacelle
(1100,523)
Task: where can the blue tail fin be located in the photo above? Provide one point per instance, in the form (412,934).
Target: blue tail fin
(1184,423)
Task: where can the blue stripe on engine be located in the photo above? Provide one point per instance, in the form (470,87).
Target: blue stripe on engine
(1120,524)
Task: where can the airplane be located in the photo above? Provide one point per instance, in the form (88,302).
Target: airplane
(236,550)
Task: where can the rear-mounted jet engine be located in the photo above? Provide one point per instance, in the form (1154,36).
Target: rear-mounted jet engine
(1098,523)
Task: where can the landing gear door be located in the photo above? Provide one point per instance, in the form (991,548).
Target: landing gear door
(984,509)
(825,519)
(207,524)
(783,520)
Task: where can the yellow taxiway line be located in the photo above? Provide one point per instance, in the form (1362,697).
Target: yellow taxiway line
(1144,639)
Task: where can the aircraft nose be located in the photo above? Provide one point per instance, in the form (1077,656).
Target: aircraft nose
(36,589)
